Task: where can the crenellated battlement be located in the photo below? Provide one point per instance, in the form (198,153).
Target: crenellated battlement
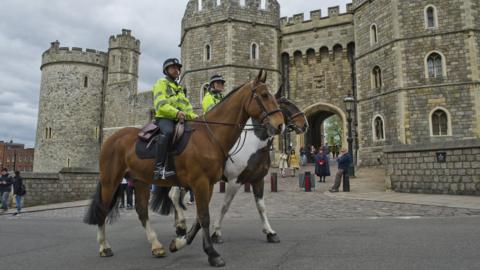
(195,6)
(316,16)
(357,3)
(125,40)
(57,54)
(206,12)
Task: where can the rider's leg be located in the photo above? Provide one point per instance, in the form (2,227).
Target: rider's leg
(163,141)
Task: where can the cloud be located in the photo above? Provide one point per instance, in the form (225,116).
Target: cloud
(27,27)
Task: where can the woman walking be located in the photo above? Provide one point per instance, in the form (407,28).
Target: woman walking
(293,161)
(283,164)
(322,165)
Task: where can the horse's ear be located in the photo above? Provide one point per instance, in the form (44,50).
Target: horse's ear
(278,95)
(261,77)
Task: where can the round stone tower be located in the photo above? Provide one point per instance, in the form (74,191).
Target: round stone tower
(70,109)
(231,38)
(122,82)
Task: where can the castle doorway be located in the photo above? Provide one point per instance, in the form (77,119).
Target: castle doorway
(328,124)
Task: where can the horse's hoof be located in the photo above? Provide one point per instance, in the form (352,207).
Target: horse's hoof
(273,238)
(173,247)
(106,253)
(216,261)
(217,239)
(158,253)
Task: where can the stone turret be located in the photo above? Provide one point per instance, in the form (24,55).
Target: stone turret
(69,119)
(220,39)
(122,82)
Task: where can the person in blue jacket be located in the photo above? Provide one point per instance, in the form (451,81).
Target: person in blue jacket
(343,164)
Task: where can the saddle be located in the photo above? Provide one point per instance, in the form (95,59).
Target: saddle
(147,139)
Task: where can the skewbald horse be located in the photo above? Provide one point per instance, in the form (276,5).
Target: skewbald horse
(198,167)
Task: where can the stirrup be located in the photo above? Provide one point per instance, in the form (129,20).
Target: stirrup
(161,173)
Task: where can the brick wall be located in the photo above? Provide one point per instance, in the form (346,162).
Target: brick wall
(414,168)
(69,185)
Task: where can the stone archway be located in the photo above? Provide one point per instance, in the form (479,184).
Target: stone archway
(317,114)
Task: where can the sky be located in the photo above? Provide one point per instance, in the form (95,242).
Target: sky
(28,26)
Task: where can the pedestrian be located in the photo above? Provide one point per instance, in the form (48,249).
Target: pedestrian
(343,164)
(322,166)
(130,190)
(5,188)
(293,161)
(123,191)
(337,150)
(303,155)
(312,154)
(19,191)
(334,151)
(283,164)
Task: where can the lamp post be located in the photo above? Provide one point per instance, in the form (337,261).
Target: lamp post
(350,105)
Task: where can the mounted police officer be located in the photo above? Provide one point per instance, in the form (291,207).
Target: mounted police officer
(171,105)
(214,94)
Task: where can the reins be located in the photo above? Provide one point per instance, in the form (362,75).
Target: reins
(265,115)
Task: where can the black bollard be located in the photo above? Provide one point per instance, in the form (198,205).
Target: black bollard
(308,183)
(301,180)
(222,187)
(346,182)
(273,182)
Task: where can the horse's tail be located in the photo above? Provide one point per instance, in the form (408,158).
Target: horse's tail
(97,213)
(161,202)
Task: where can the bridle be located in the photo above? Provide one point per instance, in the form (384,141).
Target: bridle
(265,115)
(290,118)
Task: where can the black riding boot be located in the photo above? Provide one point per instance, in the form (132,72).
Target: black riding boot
(160,171)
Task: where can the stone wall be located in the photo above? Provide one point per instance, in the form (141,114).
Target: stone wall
(69,185)
(414,168)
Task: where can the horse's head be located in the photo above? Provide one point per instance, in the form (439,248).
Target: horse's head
(264,107)
(294,118)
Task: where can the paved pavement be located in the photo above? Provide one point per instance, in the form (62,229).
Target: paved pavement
(363,229)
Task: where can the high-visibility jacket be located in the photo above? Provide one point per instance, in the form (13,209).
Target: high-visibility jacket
(211,99)
(169,98)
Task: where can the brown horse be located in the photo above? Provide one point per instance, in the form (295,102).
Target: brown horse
(198,167)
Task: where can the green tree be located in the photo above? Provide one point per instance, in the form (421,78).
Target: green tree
(334,130)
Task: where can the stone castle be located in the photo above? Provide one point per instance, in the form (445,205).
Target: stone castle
(413,67)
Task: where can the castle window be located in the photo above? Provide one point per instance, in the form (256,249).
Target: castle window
(297,58)
(208,53)
(97,133)
(48,133)
(440,124)
(373,34)
(324,54)
(85,82)
(200,5)
(378,129)
(219,2)
(376,78)
(68,162)
(242,3)
(263,4)
(311,58)
(337,51)
(431,17)
(435,65)
(254,55)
